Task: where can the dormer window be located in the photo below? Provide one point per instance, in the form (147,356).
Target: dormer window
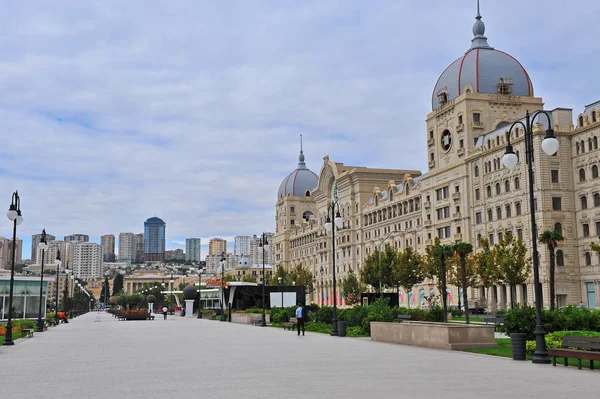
(505,86)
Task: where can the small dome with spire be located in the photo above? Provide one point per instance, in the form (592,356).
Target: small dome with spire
(300,181)
(483,68)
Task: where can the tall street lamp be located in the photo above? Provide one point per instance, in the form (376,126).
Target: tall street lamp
(223,259)
(43,245)
(322,272)
(510,160)
(14,215)
(58,263)
(66,291)
(200,271)
(339,223)
(264,245)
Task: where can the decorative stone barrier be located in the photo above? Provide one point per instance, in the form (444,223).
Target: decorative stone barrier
(248,318)
(434,335)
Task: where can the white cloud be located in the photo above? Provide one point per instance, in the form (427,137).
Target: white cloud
(114,112)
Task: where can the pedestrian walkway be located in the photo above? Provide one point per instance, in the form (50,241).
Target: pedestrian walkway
(97,356)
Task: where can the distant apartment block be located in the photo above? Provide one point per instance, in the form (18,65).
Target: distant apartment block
(217,246)
(35,240)
(241,245)
(193,249)
(154,240)
(108,247)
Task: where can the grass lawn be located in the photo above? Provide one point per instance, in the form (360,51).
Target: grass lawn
(323,328)
(504,349)
(15,336)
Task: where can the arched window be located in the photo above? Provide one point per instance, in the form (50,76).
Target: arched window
(588,259)
(577,147)
(595,142)
(308,193)
(558,227)
(580,121)
(517,183)
(590,145)
(497,188)
(581,175)
(596,199)
(489,191)
(582,145)
(507,186)
(560,258)
(518,208)
(584,202)
(594,116)
(476,171)
(594,171)
(407,189)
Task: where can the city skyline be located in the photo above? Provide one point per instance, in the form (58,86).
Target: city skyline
(384,67)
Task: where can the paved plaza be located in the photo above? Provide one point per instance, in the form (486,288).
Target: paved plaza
(96,356)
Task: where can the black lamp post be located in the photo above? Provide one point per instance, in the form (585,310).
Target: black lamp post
(264,245)
(200,271)
(58,263)
(43,245)
(510,160)
(339,223)
(322,272)
(223,259)
(280,279)
(14,215)
(66,291)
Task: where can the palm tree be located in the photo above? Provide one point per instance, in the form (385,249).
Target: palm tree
(551,239)
(463,249)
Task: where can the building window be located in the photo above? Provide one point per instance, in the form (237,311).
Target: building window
(588,259)
(586,230)
(431,134)
(489,191)
(556,203)
(581,175)
(584,202)
(507,186)
(598,228)
(596,199)
(478,219)
(554,175)
(517,183)
(476,117)
(500,237)
(443,213)
(520,234)
(477,195)
(460,119)
(560,258)
(508,210)
(580,121)
(577,148)
(497,188)
(490,214)
(491,239)
(461,144)
(476,171)
(518,208)
(558,227)
(594,171)
(499,212)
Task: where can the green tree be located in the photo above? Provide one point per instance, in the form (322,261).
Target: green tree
(284,274)
(463,249)
(377,270)
(513,265)
(484,266)
(248,278)
(105,292)
(435,260)
(551,238)
(117,284)
(302,276)
(408,271)
(231,277)
(351,289)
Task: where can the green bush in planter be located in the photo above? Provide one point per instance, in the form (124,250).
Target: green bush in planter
(554,340)
(324,315)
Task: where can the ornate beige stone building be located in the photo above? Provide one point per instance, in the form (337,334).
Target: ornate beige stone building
(466,194)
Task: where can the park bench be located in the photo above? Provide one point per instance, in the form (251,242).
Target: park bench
(27,332)
(403,317)
(150,317)
(496,320)
(290,324)
(576,347)
(51,322)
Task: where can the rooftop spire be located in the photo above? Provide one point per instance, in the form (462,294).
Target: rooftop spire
(479,39)
(301,164)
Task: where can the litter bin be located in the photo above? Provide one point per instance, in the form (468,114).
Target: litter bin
(518,342)
(342,328)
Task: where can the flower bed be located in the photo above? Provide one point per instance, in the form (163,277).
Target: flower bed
(136,315)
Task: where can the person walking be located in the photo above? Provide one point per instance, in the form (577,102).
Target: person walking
(300,318)
(581,305)
(164,309)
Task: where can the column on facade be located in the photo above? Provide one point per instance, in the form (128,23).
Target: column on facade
(597,286)
(492,304)
(519,300)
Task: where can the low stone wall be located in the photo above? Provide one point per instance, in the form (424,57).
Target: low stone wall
(248,318)
(434,335)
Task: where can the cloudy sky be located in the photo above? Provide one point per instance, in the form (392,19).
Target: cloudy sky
(115,111)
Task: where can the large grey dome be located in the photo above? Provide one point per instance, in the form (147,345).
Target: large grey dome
(299,181)
(482,67)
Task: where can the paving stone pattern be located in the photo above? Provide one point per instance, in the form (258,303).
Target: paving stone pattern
(97,356)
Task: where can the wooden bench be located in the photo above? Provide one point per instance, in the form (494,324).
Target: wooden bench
(27,332)
(290,324)
(403,317)
(496,320)
(576,347)
(51,322)
(150,317)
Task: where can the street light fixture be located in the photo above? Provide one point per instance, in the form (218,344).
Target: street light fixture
(264,245)
(200,272)
(58,263)
(223,258)
(14,215)
(339,223)
(322,297)
(43,245)
(510,160)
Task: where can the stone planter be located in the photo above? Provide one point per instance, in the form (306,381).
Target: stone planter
(434,335)
(248,318)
